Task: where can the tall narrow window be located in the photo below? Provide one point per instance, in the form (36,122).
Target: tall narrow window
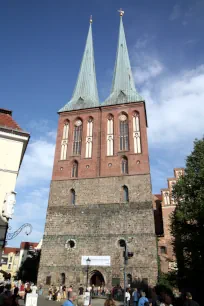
(136,133)
(75,169)
(89,138)
(124,165)
(123,132)
(125,194)
(64,142)
(77,137)
(73,196)
(110,135)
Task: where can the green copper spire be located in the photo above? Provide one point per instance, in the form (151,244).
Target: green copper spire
(85,93)
(123,87)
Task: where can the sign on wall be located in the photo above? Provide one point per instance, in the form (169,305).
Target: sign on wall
(100,261)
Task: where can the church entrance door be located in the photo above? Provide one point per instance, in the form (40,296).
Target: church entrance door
(97,279)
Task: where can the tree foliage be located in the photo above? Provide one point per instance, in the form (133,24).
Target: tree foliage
(28,271)
(187,221)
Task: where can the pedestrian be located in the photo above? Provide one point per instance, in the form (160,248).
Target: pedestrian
(70,289)
(127,296)
(189,300)
(50,293)
(15,297)
(110,301)
(27,290)
(143,301)
(71,299)
(64,291)
(135,296)
(81,290)
(58,294)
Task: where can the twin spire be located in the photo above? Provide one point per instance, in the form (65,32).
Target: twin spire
(123,88)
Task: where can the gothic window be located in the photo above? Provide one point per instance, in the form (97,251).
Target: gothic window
(89,138)
(77,137)
(125,194)
(63,278)
(163,250)
(166,198)
(48,280)
(123,132)
(124,165)
(110,135)
(73,196)
(64,142)
(136,133)
(75,169)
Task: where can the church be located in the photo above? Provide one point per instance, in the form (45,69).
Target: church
(100,191)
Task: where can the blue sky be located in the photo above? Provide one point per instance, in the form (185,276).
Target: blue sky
(42,43)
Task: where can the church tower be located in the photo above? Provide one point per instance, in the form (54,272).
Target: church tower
(100,191)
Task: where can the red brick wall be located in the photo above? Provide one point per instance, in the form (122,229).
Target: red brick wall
(98,164)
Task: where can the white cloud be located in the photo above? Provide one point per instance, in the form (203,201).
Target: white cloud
(176,12)
(176,114)
(37,163)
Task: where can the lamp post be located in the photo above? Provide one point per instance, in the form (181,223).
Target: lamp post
(87,271)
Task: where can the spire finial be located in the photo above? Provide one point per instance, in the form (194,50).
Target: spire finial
(91,20)
(121,12)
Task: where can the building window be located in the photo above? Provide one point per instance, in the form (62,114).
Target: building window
(70,244)
(10,259)
(64,142)
(77,137)
(125,194)
(73,196)
(63,278)
(48,280)
(89,138)
(9,266)
(110,135)
(123,132)
(136,133)
(75,169)
(163,250)
(124,165)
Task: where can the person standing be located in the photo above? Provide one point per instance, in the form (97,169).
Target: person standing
(127,296)
(27,290)
(143,299)
(70,289)
(135,296)
(81,290)
(189,300)
(71,299)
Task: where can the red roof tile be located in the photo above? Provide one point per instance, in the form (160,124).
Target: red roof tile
(27,245)
(7,121)
(8,250)
(159,197)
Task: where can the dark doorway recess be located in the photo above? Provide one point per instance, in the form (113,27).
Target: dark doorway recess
(97,278)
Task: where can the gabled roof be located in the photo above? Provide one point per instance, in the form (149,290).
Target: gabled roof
(85,93)
(123,87)
(28,245)
(8,250)
(6,120)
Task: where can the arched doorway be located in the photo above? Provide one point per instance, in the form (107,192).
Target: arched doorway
(97,278)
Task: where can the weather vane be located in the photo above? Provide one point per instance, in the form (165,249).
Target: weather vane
(91,20)
(121,12)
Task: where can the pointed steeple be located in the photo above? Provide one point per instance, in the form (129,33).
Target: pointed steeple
(85,93)
(123,87)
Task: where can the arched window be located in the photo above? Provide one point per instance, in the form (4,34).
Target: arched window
(136,133)
(77,137)
(73,196)
(123,119)
(125,194)
(63,278)
(89,138)
(75,169)
(64,142)
(124,165)
(110,135)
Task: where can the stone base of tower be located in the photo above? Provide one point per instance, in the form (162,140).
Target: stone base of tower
(95,228)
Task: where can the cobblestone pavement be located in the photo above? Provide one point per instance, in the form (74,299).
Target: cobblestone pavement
(43,302)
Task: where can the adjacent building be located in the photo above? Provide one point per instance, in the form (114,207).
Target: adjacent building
(13,144)
(164,204)
(100,191)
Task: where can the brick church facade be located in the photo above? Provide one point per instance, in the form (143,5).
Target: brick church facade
(100,191)
(164,204)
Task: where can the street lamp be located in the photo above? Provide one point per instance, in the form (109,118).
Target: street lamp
(87,270)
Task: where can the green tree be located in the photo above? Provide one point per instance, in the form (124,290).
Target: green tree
(187,221)
(28,271)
